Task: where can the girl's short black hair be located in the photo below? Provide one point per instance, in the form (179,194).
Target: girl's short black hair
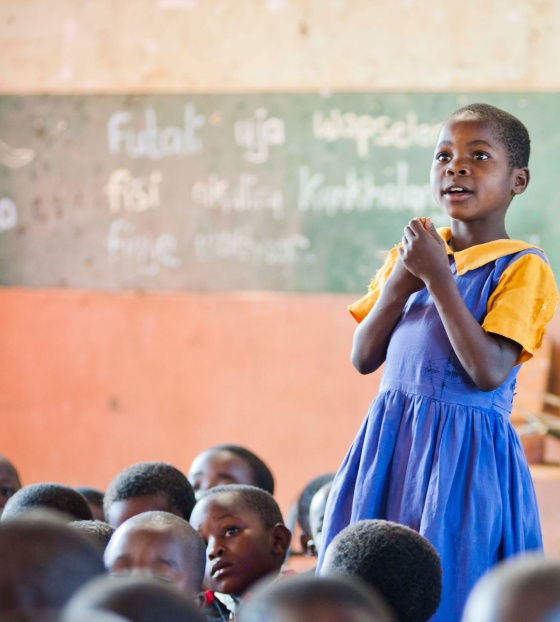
(513,135)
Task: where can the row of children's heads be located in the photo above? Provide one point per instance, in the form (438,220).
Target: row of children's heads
(222,464)
(399,570)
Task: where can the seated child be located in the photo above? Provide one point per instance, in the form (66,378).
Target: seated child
(98,531)
(396,560)
(47,495)
(148,486)
(131,599)
(94,498)
(308,546)
(160,545)
(9,481)
(229,464)
(246,539)
(44,562)
(525,587)
(324,599)
(317,509)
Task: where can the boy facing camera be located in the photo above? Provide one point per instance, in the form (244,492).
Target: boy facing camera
(246,539)
(159,545)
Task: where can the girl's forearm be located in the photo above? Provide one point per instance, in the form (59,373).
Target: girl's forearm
(487,358)
(372,335)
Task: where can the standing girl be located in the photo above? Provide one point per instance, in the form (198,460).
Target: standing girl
(452,314)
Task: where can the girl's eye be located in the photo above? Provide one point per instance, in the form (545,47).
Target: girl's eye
(480,155)
(231,531)
(442,157)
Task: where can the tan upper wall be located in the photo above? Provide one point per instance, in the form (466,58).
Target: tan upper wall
(278,45)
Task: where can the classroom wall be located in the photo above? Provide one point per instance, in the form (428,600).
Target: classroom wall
(92,381)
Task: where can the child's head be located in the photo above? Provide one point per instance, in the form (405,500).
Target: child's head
(325,599)
(94,499)
(148,486)
(308,545)
(526,587)
(96,530)
(317,513)
(229,464)
(47,495)
(480,163)
(246,539)
(9,481)
(160,545)
(509,130)
(44,562)
(131,599)
(396,560)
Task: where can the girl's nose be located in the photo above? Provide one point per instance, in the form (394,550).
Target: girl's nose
(456,168)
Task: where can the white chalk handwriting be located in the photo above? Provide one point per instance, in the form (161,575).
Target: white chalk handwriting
(381,131)
(152,141)
(360,192)
(149,252)
(8,214)
(245,194)
(258,134)
(133,194)
(240,245)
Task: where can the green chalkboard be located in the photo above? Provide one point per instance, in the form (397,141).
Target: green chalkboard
(287,192)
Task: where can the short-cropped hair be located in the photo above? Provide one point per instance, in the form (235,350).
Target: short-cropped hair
(509,130)
(152,478)
(396,560)
(299,595)
(47,495)
(256,500)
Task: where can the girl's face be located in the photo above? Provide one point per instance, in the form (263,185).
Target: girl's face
(471,177)
(216,468)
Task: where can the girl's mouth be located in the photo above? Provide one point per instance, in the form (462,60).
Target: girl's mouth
(457,192)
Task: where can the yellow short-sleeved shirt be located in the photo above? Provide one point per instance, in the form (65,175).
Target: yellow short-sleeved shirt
(520,307)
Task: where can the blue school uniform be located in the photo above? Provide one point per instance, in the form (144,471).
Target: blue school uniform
(436,453)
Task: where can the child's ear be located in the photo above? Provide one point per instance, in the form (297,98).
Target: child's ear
(521,180)
(281,538)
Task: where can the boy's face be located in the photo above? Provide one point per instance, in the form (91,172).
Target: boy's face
(240,550)
(163,555)
(122,510)
(471,177)
(218,467)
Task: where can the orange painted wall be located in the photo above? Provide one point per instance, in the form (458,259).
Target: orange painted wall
(92,382)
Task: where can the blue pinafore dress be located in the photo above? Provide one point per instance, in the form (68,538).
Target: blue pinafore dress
(434,452)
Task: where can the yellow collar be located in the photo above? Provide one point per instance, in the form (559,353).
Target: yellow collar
(481,254)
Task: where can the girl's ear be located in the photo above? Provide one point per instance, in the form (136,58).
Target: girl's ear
(520,180)
(281,538)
